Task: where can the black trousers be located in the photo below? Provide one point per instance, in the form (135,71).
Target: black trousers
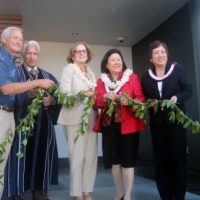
(169,145)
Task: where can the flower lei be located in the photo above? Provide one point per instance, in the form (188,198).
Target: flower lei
(117,84)
(91,81)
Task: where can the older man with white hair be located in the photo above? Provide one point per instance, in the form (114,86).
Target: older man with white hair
(39,166)
(11,39)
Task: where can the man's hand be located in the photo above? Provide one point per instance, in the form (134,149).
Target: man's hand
(32,93)
(48,100)
(44,83)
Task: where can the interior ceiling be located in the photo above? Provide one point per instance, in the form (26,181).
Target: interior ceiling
(96,21)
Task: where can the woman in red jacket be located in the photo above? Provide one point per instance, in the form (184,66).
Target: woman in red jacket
(120,132)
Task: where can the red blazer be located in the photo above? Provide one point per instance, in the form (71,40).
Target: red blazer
(129,123)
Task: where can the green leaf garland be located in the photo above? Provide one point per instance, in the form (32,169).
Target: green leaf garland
(174,114)
(3,150)
(84,119)
(111,107)
(26,124)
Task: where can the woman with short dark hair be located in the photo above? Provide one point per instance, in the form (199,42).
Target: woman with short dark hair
(120,132)
(167,81)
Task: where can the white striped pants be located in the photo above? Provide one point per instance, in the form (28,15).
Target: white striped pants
(7,126)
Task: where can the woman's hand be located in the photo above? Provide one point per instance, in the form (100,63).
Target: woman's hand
(123,100)
(88,93)
(152,104)
(110,95)
(174,99)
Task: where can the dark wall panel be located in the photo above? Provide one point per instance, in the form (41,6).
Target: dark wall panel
(176,33)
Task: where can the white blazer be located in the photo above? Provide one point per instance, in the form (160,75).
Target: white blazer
(71,83)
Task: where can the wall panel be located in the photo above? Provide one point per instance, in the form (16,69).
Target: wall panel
(176,33)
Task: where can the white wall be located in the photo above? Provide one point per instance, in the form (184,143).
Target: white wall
(53,59)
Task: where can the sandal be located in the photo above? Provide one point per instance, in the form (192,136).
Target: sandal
(78,198)
(87,197)
(122,197)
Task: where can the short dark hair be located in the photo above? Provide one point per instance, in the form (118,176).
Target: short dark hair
(105,60)
(156,44)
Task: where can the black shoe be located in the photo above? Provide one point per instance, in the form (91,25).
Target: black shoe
(19,197)
(122,197)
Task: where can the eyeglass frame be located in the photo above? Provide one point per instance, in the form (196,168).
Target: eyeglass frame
(81,51)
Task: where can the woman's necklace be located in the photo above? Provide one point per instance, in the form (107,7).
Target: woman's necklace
(90,80)
(153,76)
(116,86)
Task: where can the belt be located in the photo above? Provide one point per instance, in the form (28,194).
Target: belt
(6,109)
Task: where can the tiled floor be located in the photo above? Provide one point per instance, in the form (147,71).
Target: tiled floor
(144,185)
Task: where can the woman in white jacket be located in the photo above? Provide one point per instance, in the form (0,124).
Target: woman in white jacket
(76,77)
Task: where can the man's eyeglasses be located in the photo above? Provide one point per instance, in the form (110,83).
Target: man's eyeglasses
(81,51)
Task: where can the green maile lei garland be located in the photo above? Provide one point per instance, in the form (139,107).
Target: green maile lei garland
(3,150)
(174,114)
(26,124)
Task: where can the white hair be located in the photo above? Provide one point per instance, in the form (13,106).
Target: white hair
(31,42)
(6,32)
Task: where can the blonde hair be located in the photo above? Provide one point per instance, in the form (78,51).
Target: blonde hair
(73,49)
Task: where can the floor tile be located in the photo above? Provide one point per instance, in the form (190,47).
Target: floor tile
(144,187)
